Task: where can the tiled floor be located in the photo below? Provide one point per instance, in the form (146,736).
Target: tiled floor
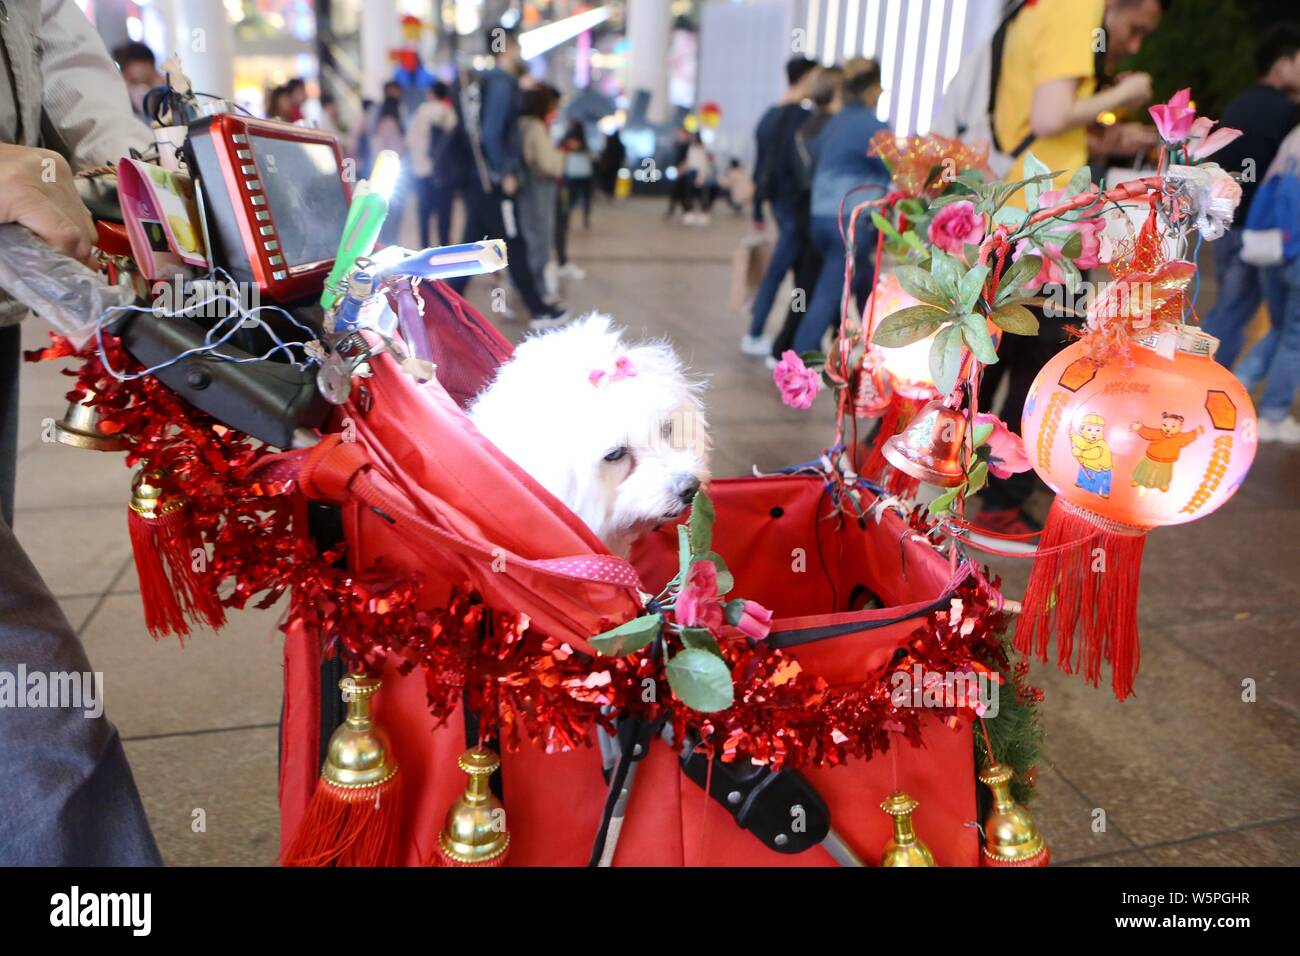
(1184,773)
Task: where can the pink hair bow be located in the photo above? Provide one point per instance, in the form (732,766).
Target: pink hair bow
(623,368)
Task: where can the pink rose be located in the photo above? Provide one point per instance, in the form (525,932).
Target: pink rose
(1174,119)
(1006,448)
(798,383)
(698,604)
(755,621)
(1202,143)
(955,225)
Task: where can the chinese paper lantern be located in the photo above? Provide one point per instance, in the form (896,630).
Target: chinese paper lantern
(908,366)
(1126,449)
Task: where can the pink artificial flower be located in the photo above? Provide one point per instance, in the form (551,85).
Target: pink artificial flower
(1006,449)
(755,621)
(798,383)
(1202,143)
(1089,228)
(1174,119)
(698,604)
(955,225)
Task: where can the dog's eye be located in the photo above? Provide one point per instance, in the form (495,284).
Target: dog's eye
(617,454)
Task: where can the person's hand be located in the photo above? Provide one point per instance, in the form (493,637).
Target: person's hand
(36,191)
(1133,89)
(1136,426)
(509,184)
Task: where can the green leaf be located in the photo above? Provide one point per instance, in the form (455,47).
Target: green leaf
(945,271)
(1073,246)
(908,325)
(701,680)
(1015,281)
(812,358)
(683,552)
(943,502)
(629,637)
(912,208)
(733,611)
(981,433)
(920,284)
(1015,319)
(1080,182)
(701,638)
(910,238)
(975,332)
(978,477)
(945,358)
(1034,169)
(885,226)
(701,524)
(725,580)
(969,286)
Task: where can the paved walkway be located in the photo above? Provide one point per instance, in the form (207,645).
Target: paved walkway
(1185,772)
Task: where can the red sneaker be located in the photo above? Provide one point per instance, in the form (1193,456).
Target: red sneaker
(1006,521)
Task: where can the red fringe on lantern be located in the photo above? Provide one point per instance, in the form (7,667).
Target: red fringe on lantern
(1085,582)
(174,595)
(348,826)
(1042,858)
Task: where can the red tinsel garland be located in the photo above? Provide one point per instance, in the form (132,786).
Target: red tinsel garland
(524,684)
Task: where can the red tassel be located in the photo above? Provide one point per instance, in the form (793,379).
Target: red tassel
(348,826)
(164,542)
(1085,581)
(896,417)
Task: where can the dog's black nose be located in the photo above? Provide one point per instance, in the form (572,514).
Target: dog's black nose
(685,487)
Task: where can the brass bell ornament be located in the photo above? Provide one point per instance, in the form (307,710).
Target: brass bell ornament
(1011,838)
(929,449)
(475,833)
(904,848)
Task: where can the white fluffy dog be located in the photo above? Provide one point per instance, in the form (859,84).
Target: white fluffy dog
(615,431)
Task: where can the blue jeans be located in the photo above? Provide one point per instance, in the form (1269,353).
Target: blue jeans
(1239,297)
(784,254)
(1275,359)
(824,306)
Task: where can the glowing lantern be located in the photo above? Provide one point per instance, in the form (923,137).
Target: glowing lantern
(1126,449)
(908,366)
(710,115)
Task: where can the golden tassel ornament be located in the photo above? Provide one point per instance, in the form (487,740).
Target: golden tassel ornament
(1011,837)
(170,560)
(904,848)
(354,815)
(475,833)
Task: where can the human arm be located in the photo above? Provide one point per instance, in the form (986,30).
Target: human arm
(87,113)
(1056,108)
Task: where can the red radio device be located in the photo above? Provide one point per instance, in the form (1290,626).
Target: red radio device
(275,201)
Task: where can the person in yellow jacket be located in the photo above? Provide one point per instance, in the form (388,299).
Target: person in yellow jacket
(1088,445)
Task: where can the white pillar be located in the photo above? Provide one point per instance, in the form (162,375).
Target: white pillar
(649,27)
(381,33)
(204,38)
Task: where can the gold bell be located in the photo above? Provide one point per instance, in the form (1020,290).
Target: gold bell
(1011,837)
(149,500)
(904,848)
(929,449)
(79,428)
(475,833)
(359,754)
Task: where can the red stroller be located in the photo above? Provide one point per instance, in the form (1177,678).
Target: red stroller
(421,491)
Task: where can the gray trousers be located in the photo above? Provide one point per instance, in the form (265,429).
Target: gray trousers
(66,792)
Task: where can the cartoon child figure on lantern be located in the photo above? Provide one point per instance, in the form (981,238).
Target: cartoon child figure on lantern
(1156,469)
(1088,445)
